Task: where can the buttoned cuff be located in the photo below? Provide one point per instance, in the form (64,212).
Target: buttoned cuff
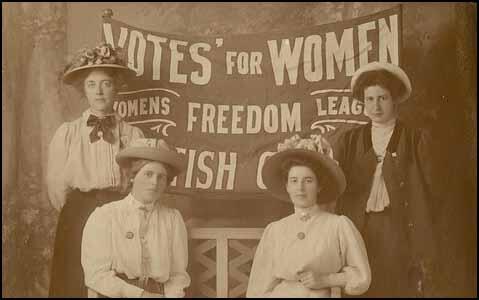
(354,283)
(131,291)
(174,294)
(335,279)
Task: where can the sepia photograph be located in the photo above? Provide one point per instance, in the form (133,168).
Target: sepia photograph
(239,149)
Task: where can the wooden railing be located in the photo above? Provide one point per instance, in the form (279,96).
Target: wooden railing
(222,259)
(225,256)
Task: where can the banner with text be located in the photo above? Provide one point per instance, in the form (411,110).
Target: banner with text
(226,101)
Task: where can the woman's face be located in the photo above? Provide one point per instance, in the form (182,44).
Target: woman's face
(302,186)
(379,104)
(100,91)
(150,183)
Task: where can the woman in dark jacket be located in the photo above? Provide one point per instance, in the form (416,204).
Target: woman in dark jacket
(388,172)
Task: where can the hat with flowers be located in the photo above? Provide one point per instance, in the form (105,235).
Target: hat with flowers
(317,151)
(101,56)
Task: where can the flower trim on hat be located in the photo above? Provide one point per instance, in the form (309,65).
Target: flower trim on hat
(151,143)
(101,54)
(315,142)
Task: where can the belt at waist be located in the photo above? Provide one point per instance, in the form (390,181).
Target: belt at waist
(148,284)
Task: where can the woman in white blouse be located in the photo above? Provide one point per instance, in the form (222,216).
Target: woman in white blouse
(82,173)
(309,252)
(137,247)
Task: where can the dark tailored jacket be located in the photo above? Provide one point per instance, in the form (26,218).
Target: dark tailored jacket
(408,172)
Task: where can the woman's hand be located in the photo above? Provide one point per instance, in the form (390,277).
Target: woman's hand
(147,294)
(311,280)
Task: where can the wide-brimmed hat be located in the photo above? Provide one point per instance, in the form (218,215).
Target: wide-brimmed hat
(155,150)
(103,56)
(392,69)
(316,150)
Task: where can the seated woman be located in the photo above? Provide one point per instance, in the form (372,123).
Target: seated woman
(309,252)
(137,247)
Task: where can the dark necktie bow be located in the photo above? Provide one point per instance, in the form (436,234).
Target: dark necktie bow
(102,127)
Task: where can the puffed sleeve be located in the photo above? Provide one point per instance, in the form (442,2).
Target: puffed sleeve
(339,147)
(57,156)
(427,163)
(179,278)
(338,144)
(353,252)
(96,258)
(430,170)
(261,279)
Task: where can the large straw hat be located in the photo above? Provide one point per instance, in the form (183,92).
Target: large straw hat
(314,149)
(394,70)
(155,150)
(100,57)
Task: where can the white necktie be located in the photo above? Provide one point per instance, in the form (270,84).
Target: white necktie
(145,255)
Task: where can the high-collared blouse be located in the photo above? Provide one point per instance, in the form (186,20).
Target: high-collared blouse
(76,163)
(112,244)
(323,243)
(381,134)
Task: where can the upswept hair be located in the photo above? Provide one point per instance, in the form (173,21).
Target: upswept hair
(132,166)
(287,164)
(381,78)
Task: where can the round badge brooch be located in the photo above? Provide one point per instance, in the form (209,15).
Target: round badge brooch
(301,235)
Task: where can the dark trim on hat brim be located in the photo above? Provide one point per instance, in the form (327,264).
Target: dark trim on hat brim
(69,76)
(173,159)
(332,185)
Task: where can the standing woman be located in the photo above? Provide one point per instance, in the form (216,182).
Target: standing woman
(309,252)
(388,169)
(82,173)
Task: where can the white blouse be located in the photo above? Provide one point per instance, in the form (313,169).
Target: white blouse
(323,243)
(111,245)
(75,163)
(380,136)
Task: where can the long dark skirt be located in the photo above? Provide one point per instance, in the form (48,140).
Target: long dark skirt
(67,278)
(393,273)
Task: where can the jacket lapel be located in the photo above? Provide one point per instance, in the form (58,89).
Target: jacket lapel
(367,160)
(363,168)
(393,162)
(394,141)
